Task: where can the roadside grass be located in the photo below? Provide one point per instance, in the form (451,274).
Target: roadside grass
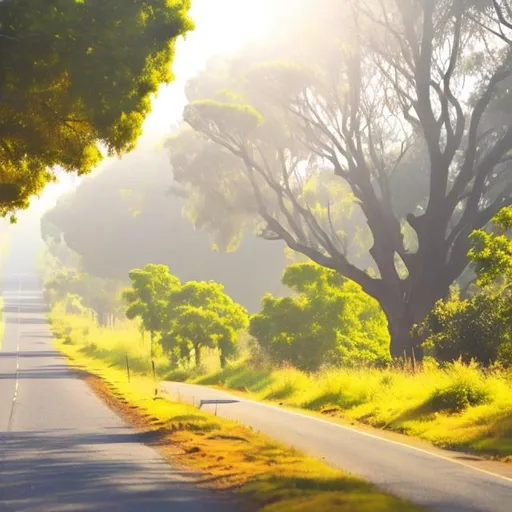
(459,407)
(1,322)
(114,346)
(265,475)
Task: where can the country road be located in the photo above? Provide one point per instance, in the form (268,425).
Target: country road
(61,448)
(425,477)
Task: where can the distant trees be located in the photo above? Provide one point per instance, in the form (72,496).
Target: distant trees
(199,315)
(184,318)
(125,216)
(148,297)
(404,104)
(82,292)
(329,320)
(75,76)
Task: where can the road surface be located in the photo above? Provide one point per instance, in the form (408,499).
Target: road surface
(61,448)
(424,477)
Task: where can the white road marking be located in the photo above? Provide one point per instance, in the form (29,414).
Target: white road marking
(367,434)
(17,382)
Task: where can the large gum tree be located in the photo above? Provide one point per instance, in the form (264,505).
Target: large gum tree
(405,103)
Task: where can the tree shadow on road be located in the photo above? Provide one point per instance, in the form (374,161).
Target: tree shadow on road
(93,472)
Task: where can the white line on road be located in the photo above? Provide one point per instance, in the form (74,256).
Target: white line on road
(367,434)
(17,382)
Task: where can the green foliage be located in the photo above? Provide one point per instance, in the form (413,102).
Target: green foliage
(148,296)
(492,251)
(330,320)
(185,317)
(239,119)
(201,315)
(466,387)
(347,104)
(478,327)
(473,411)
(74,75)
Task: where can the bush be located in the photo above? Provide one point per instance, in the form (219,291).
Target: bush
(471,329)
(466,388)
(329,321)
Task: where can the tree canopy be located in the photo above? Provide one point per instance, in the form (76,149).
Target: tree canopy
(201,315)
(404,104)
(124,216)
(76,78)
(148,296)
(328,321)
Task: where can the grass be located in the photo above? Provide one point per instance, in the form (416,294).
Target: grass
(265,475)
(458,407)
(1,322)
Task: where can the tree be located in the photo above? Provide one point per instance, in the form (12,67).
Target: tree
(148,297)
(101,296)
(77,76)
(406,92)
(480,326)
(329,320)
(104,219)
(201,315)
(492,251)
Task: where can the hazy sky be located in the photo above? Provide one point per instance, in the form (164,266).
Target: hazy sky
(222,26)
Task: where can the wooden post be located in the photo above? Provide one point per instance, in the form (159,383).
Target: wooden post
(154,377)
(127,367)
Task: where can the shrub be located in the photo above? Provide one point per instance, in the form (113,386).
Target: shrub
(471,329)
(330,320)
(466,388)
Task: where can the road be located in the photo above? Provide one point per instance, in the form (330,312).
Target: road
(425,477)
(61,448)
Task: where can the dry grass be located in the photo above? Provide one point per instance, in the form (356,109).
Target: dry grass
(265,474)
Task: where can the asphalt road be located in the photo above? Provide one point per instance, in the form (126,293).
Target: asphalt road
(422,476)
(61,448)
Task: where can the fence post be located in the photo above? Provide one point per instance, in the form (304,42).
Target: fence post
(154,377)
(127,367)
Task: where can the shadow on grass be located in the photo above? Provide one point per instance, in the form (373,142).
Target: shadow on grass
(332,399)
(284,391)
(343,494)
(239,377)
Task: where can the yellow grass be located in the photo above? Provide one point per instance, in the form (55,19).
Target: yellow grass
(262,472)
(431,404)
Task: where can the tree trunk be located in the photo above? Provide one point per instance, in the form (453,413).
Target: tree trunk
(197,353)
(404,344)
(402,317)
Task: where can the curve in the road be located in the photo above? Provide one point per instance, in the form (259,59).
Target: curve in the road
(440,483)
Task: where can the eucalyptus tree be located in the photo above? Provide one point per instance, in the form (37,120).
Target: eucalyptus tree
(404,104)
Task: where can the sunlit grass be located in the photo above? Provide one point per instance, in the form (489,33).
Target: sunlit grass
(123,345)
(459,407)
(230,456)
